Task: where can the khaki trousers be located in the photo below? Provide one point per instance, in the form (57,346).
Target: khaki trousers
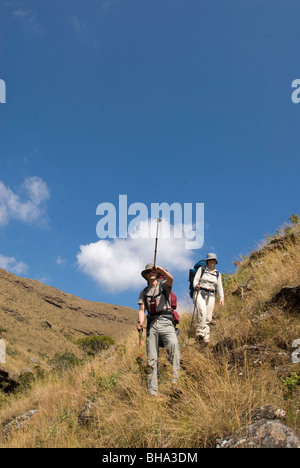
(205,307)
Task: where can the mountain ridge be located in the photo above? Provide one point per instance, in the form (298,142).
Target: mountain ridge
(37,321)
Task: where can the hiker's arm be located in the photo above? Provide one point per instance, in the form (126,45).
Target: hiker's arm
(141,317)
(168,277)
(197,279)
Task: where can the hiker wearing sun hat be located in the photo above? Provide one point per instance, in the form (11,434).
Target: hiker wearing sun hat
(207,282)
(156,300)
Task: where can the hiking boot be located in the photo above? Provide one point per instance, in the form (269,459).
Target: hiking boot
(203,343)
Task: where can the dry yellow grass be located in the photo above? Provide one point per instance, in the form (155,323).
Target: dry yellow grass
(214,401)
(217,394)
(37,321)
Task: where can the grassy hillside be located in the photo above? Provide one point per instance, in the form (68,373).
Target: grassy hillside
(102,403)
(38,321)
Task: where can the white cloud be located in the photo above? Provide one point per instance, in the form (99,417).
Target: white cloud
(43,279)
(37,189)
(82,31)
(28,17)
(79,26)
(106,4)
(61,261)
(29,206)
(116,265)
(10,264)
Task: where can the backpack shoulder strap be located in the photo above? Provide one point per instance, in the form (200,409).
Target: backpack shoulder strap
(217,275)
(162,290)
(203,269)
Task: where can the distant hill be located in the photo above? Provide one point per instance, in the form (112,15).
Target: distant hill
(37,321)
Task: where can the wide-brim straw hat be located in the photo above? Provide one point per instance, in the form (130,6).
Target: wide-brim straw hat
(148,267)
(211,256)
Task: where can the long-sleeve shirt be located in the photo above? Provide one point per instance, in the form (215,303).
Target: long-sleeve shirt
(210,281)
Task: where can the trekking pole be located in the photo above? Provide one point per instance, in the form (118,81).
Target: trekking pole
(141,358)
(158,220)
(193,315)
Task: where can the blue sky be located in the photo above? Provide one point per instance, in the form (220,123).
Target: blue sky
(184,101)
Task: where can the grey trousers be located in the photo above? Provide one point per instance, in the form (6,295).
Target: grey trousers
(163,328)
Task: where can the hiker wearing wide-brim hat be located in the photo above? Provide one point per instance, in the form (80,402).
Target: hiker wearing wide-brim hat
(207,282)
(148,268)
(155,300)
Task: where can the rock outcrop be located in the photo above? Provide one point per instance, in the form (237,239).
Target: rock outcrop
(267,430)
(8,381)
(288,298)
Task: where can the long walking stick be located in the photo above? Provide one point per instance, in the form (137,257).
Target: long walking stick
(190,332)
(140,359)
(158,220)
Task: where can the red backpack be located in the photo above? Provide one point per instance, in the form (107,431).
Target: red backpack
(173,307)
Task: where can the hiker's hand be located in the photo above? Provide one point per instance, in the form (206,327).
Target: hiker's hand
(161,270)
(168,277)
(222,303)
(139,326)
(197,287)
(158,269)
